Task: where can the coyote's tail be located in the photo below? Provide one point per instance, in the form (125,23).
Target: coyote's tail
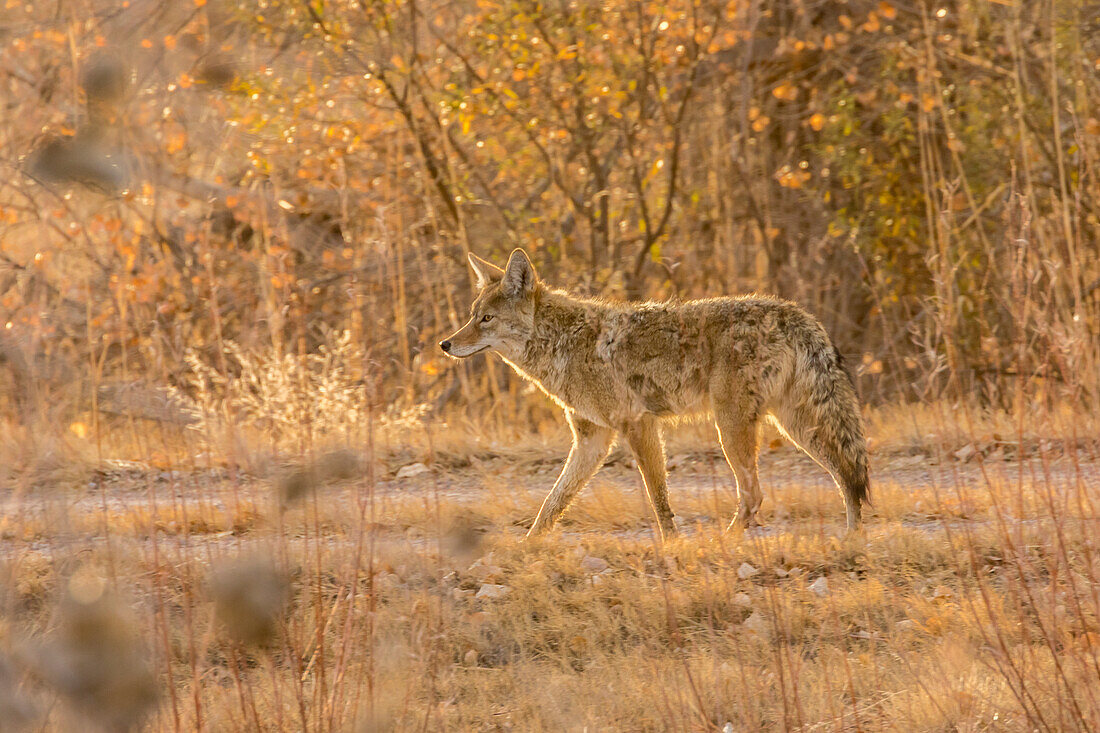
(821,414)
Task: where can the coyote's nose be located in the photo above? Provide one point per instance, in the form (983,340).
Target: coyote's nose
(446,346)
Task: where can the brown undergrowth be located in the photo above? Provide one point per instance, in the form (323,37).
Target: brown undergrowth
(365,601)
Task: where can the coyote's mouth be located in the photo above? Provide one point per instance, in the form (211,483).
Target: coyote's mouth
(466,356)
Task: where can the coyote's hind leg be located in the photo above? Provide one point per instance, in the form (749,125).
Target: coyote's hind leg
(739,434)
(644,437)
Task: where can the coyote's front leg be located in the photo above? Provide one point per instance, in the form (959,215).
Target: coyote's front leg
(591,444)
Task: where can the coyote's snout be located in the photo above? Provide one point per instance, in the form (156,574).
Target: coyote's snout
(619,369)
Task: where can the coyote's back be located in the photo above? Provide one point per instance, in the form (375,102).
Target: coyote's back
(622,368)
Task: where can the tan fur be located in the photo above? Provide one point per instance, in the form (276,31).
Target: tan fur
(624,368)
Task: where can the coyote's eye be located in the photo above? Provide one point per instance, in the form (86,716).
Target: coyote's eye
(486,318)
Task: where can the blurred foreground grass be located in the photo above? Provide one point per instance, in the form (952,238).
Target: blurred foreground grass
(364,601)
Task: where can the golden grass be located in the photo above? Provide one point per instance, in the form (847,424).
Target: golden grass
(969,603)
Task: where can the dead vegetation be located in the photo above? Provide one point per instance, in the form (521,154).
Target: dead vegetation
(240,490)
(226,603)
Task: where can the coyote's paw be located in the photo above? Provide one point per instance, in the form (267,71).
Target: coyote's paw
(536,533)
(741,522)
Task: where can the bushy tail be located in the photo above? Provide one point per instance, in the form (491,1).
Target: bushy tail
(820,413)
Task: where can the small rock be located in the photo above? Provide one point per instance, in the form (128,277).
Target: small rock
(470,658)
(795,572)
(820,586)
(492,590)
(746,571)
(413,469)
(478,619)
(727,728)
(592,564)
(757,624)
(602,577)
(942,593)
(485,573)
(387,581)
(742,599)
(459,593)
(906,625)
(781,572)
(965,453)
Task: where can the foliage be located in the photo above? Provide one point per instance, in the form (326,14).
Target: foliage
(922,177)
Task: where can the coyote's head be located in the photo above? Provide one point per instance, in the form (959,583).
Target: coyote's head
(503,314)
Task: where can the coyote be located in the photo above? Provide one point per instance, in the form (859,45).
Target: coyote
(623,368)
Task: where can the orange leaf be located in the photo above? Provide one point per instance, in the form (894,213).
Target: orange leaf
(786,91)
(817,121)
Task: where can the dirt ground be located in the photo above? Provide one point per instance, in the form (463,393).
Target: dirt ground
(701,487)
(412,578)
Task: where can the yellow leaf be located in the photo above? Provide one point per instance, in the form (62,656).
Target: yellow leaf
(79,429)
(786,91)
(872,25)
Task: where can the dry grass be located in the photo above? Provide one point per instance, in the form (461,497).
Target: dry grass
(361,601)
(240,490)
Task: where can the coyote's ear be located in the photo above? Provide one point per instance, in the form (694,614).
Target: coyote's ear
(485,272)
(519,275)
